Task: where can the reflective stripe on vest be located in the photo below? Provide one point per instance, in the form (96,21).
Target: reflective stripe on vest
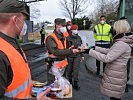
(63,63)
(15,92)
(21,84)
(102,32)
(102,42)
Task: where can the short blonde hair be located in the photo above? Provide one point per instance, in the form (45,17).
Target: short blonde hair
(122,26)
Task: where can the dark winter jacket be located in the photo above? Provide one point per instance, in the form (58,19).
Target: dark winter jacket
(74,40)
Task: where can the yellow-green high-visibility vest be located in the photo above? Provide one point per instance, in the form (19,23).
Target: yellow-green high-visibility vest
(43,31)
(102,32)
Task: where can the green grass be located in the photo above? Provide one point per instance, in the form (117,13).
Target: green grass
(21,41)
(50,28)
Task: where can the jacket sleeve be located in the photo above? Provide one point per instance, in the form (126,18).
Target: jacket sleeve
(68,43)
(102,50)
(115,51)
(53,48)
(94,30)
(111,31)
(94,33)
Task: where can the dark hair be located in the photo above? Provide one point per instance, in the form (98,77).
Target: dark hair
(102,16)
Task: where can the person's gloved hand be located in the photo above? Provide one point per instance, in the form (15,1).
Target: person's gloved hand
(86,51)
(92,47)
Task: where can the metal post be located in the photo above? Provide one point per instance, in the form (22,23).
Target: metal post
(84,23)
(123,8)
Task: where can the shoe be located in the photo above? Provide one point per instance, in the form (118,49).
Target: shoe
(76,86)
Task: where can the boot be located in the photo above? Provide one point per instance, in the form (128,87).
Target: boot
(76,86)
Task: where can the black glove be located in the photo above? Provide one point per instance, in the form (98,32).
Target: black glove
(92,47)
(49,61)
(86,51)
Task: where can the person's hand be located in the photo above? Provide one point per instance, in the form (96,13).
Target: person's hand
(42,96)
(72,46)
(75,50)
(86,51)
(83,58)
(92,47)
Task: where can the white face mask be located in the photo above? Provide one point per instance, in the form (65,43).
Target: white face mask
(102,21)
(63,29)
(75,31)
(68,27)
(24,28)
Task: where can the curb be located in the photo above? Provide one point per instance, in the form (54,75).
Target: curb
(30,46)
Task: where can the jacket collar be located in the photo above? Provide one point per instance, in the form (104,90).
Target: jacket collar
(122,37)
(59,35)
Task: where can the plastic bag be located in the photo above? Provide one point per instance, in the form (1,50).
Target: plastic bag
(64,85)
(57,72)
(62,82)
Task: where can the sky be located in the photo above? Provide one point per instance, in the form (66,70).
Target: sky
(50,9)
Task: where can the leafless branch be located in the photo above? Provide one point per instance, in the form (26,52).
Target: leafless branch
(72,8)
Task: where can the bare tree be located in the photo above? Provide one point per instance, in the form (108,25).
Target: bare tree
(105,7)
(71,8)
(34,11)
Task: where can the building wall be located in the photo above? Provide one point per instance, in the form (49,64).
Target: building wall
(126,9)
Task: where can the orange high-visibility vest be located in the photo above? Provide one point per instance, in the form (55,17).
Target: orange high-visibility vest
(66,34)
(63,63)
(21,84)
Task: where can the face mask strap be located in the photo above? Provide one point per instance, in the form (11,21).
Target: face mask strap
(20,20)
(24,25)
(17,25)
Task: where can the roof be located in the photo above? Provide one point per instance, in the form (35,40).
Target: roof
(30,1)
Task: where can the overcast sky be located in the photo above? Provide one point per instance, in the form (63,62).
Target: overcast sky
(50,9)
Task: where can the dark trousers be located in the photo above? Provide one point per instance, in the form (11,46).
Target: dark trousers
(98,66)
(97,61)
(128,72)
(112,98)
(128,69)
(73,67)
(42,39)
(50,77)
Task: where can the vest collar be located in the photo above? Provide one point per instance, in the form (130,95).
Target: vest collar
(59,36)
